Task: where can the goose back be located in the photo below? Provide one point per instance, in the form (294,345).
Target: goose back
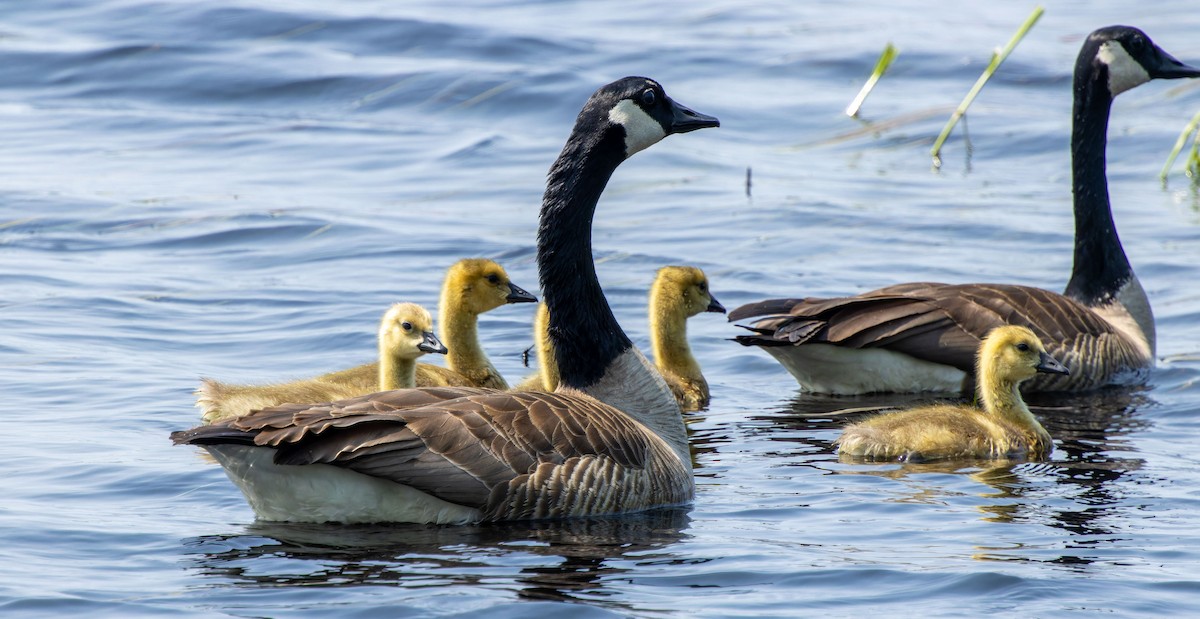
(942,324)
(531,455)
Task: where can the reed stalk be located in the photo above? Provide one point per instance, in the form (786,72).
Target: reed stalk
(1189,130)
(997,59)
(881,67)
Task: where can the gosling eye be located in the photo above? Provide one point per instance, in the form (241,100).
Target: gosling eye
(493,278)
(407,326)
(703,287)
(648,97)
(1023,347)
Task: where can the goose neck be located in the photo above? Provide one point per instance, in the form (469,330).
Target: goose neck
(585,335)
(1100,265)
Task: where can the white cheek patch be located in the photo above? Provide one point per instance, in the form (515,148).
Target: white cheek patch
(1123,71)
(641,131)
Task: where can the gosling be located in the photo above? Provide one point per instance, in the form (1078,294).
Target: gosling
(472,286)
(1003,428)
(405,333)
(678,293)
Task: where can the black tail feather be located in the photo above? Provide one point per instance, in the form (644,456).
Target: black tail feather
(219,434)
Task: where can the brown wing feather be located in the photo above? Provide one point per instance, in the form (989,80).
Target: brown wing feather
(503,453)
(942,323)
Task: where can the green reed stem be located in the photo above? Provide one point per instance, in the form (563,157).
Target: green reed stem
(1188,131)
(997,58)
(881,67)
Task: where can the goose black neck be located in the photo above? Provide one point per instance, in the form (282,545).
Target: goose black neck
(582,328)
(1101,267)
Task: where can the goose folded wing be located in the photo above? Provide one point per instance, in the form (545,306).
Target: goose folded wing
(941,323)
(901,322)
(468,450)
(1058,320)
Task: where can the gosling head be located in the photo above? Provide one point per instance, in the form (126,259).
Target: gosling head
(1128,58)
(1015,354)
(406,332)
(481,285)
(641,111)
(687,288)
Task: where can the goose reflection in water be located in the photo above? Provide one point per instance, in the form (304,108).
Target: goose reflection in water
(1092,453)
(572,560)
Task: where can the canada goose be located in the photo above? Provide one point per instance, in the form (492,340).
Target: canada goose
(1003,428)
(609,440)
(923,336)
(472,286)
(678,293)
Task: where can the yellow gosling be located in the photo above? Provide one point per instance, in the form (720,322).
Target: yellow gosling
(405,333)
(546,378)
(472,286)
(1004,427)
(678,293)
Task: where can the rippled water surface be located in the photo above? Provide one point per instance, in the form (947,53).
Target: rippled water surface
(238,189)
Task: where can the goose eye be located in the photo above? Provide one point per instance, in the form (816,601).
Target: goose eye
(648,97)
(703,287)
(493,278)
(1023,347)
(407,326)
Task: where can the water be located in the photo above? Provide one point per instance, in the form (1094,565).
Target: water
(238,189)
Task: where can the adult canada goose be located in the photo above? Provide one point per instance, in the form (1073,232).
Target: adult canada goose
(610,439)
(1004,427)
(472,286)
(678,293)
(923,336)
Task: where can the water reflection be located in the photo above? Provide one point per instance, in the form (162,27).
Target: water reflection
(704,441)
(1077,490)
(1093,452)
(561,561)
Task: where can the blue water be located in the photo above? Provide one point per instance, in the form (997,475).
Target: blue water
(238,189)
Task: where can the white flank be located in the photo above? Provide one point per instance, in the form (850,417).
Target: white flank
(641,131)
(825,368)
(1130,314)
(326,493)
(1123,71)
